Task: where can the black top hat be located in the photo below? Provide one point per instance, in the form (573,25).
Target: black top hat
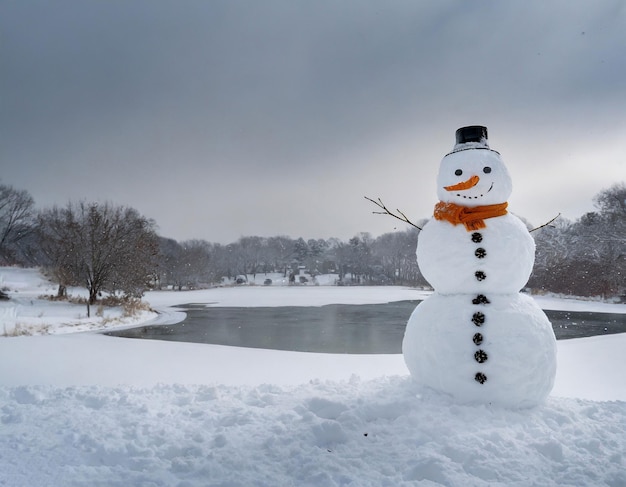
(471,137)
(473,133)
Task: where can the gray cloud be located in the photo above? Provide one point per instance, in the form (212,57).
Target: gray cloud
(222,119)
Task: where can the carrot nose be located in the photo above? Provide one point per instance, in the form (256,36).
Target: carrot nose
(470,183)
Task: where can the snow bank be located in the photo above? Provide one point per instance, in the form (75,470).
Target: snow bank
(92,359)
(26,313)
(260,296)
(578,304)
(383,432)
(588,368)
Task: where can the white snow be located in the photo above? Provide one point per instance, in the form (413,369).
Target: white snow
(82,409)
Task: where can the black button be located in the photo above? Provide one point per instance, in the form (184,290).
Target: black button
(478,318)
(477,237)
(480,356)
(478,339)
(480,275)
(480,299)
(480,253)
(480,377)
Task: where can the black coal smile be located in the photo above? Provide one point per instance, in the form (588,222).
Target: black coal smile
(475,197)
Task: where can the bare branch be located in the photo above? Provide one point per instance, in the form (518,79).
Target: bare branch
(548,224)
(386,211)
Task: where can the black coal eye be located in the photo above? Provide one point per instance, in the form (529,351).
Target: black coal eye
(487,170)
(458,172)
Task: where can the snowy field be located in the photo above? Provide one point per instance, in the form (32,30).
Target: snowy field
(82,409)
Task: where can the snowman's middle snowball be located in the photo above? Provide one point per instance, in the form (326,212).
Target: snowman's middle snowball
(450,257)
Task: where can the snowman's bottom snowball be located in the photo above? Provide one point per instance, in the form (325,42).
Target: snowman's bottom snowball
(516,339)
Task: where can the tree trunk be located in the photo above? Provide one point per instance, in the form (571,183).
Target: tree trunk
(62,291)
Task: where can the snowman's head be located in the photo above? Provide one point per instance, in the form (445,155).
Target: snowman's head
(473,174)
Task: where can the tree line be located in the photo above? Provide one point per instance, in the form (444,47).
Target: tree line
(114,249)
(586,257)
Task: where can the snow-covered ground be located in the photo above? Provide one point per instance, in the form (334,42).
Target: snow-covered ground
(83,409)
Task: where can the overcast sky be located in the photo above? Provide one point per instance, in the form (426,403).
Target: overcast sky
(220,119)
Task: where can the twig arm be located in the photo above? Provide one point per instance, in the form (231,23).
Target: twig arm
(548,224)
(386,211)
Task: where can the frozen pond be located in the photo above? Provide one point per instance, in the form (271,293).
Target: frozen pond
(334,328)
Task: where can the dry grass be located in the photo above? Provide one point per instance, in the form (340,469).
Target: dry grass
(17,331)
(130,305)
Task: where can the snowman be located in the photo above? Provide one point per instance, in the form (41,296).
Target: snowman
(476,337)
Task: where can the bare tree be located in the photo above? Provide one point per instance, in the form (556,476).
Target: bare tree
(16,219)
(612,201)
(99,246)
(586,257)
(360,259)
(280,253)
(166,272)
(251,253)
(395,253)
(194,263)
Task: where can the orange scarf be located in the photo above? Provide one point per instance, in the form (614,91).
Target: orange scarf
(472,218)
